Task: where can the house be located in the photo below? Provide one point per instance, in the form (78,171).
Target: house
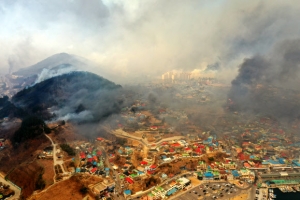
(127,193)
(208,175)
(183,182)
(144,163)
(129,180)
(93,170)
(235,174)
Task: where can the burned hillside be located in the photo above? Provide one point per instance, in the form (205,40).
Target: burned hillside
(62,96)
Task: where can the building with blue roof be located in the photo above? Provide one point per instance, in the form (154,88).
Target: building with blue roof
(208,175)
(208,140)
(235,173)
(281,160)
(127,193)
(172,191)
(296,163)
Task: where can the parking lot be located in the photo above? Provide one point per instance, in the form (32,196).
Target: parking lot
(210,191)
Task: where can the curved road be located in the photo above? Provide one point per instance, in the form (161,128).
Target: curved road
(14,188)
(55,161)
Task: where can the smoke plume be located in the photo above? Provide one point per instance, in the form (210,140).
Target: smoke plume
(141,39)
(269,84)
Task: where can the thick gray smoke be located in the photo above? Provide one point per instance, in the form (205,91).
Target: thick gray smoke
(138,39)
(269,84)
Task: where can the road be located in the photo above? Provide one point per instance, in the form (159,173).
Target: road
(118,190)
(55,160)
(17,190)
(122,133)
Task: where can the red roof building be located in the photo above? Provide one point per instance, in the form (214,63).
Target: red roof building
(198,150)
(247,165)
(176,145)
(153,167)
(144,163)
(82,155)
(129,180)
(94,170)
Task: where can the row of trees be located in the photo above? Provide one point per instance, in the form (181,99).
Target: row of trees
(31,128)
(70,151)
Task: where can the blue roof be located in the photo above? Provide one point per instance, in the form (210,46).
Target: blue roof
(164,156)
(77,169)
(172,191)
(127,192)
(106,169)
(281,160)
(208,141)
(139,172)
(295,162)
(273,162)
(235,173)
(208,174)
(89,156)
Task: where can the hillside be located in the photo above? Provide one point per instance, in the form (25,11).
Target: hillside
(76,95)
(52,62)
(52,66)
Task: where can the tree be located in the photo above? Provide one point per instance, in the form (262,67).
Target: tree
(83,190)
(70,151)
(31,128)
(211,159)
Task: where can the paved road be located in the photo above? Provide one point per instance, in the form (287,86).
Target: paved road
(55,160)
(117,180)
(17,191)
(122,133)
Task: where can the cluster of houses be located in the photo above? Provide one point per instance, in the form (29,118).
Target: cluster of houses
(168,189)
(90,160)
(263,144)
(214,174)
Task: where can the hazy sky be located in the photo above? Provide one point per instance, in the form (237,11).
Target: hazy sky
(144,36)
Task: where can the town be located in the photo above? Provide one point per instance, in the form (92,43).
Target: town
(158,151)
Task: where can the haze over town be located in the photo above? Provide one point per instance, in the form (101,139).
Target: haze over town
(152,99)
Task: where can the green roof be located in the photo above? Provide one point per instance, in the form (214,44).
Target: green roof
(122,176)
(133,175)
(216,173)
(160,188)
(151,195)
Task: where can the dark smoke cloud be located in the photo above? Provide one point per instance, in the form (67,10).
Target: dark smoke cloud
(269,84)
(147,37)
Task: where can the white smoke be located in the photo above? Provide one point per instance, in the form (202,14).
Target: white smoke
(84,115)
(49,73)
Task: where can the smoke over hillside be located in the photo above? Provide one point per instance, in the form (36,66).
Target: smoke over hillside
(77,96)
(269,84)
